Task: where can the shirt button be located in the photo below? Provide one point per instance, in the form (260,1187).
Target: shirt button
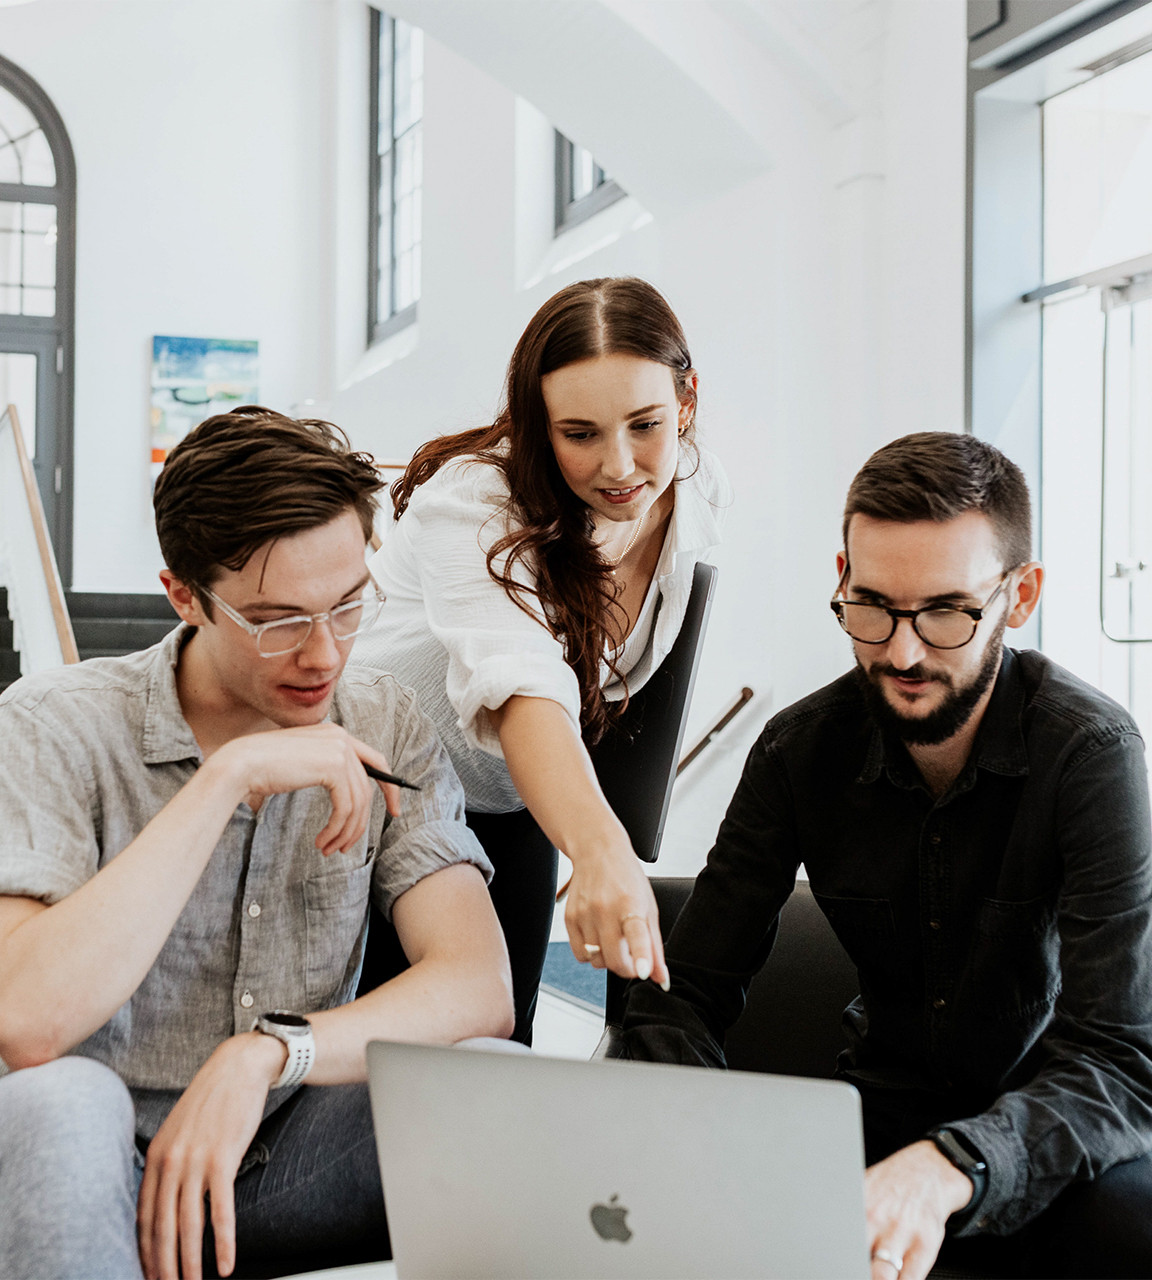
(254,910)
(934,838)
(933,924)
(938,1003)
(246,1000)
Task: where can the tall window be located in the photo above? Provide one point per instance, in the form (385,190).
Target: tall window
(1061,319)
(37,256)
(397,175)
(582,186)
(1096,383)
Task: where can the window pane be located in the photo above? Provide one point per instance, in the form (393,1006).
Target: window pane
(405,281)
(25,156)
(9,300)
(40,246)
(16,119)
(398,144)
(40,217)
(39,167)
(384,117)
(18,387)
(584,178)
(10,216)
(1098,172)
(39,302)
(409,76)
(10,272)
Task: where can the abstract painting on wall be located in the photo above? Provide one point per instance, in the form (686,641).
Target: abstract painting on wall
(194,378)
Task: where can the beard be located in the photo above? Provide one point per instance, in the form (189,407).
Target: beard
(954,711)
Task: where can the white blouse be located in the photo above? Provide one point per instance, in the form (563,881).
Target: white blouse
(453,635)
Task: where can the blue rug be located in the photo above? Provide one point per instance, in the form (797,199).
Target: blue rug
(580,983)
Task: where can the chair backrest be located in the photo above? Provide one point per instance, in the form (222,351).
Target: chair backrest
(636,759)
(791,1022)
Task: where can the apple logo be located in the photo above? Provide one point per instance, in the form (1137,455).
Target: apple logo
(608,1219)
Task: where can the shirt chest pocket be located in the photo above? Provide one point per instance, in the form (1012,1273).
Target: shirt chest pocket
(335,913)
(1016,956)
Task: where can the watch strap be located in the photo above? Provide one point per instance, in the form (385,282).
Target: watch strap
(297,1039)
(960,1153)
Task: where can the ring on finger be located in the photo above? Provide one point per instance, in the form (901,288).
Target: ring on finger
(591,949)
(894,1260)
(632,915)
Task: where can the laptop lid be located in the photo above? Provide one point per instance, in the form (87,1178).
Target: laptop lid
(636,759)
(500,1165)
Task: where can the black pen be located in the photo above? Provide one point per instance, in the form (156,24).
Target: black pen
(381,776)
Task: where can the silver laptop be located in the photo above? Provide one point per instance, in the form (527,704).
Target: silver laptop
(512,1166)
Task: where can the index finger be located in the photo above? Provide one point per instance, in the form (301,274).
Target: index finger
(638,934)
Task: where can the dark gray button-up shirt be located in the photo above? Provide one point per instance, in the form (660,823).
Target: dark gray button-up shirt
(1003,932)
(90,753)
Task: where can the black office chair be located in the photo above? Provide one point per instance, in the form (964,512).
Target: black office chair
(791,1022)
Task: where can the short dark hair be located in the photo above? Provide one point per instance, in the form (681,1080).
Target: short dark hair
(243,479)
(939,475)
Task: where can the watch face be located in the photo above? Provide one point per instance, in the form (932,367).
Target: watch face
(282,1019)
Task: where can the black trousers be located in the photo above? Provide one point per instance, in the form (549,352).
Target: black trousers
(523,892)
(1100,1229)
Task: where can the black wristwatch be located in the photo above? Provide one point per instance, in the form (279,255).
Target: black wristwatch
(957,1150)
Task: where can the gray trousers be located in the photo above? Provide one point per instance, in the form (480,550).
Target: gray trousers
(308,1193)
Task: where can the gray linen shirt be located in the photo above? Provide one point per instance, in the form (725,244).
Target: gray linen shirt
(90,753)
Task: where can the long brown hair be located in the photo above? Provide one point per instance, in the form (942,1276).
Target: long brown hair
(574,583)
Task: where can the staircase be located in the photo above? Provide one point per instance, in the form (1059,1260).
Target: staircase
(9,658)
(105,623)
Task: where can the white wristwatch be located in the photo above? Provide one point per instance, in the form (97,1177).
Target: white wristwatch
(294,1031)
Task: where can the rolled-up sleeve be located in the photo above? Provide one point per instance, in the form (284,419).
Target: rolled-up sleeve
(430,833)
(496,650)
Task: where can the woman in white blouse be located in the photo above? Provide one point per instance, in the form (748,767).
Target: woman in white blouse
(537,571)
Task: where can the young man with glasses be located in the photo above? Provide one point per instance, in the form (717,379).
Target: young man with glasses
(974,823)
(189,843)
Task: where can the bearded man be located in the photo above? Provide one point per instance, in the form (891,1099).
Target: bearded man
(974,823)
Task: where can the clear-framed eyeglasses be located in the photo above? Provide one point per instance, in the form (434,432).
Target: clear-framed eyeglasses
(286,635)
(940,626)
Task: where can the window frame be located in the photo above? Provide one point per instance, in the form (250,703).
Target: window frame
(50,338)
(569,211)
(381,328)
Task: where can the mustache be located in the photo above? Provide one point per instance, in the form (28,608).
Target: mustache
(916,672)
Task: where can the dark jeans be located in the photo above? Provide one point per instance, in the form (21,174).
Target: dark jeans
(524,894)
(308,1194)
(1101,1228)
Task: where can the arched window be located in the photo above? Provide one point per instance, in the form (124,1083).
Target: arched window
(37,289)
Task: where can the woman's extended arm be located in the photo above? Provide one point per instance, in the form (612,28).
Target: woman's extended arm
(610,903)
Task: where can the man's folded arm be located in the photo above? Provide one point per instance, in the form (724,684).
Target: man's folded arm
(65,968)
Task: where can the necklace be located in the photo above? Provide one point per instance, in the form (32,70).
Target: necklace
(615,564)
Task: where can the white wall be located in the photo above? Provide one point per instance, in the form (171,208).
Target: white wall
(203,138)
(822,298)
(798,172)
